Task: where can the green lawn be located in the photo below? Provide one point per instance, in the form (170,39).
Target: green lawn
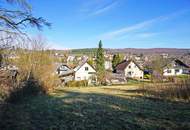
(100,108)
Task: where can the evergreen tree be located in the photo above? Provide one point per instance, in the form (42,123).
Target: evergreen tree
(100,61)
(117,58)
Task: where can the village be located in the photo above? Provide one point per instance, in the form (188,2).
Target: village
(127,68)
(94,65)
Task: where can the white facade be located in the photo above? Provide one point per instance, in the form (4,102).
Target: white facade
(175,68)
(84,72)
(174,72)
(133,71)
(108,65)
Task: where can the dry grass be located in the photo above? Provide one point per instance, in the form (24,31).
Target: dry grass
(178,90)
(95,108)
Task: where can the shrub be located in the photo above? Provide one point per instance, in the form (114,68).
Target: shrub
(170,79)
(82,83)
(180,89)
(6,84)
(185,76)
(147,76)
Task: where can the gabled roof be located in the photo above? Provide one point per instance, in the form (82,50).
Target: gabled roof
(64,64)
(69,72)
(121,66)
(80,65)
(178,62)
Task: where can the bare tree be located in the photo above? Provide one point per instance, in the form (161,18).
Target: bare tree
(13,23)
(34,59)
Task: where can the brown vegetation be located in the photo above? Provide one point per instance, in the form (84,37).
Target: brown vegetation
(82,83)
(36,71)
(179,89)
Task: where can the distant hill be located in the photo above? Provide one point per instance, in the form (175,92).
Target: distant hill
(150,51)
(131,50)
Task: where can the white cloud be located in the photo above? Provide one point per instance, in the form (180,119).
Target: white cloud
(97,7)
(104,9)
(140,26)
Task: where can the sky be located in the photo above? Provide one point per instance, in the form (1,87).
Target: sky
(118,23)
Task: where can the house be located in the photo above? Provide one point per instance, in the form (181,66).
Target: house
(164,55)
(65,73)
(63,69)
(84,71)
(175,67)
(130,69)
(81,72)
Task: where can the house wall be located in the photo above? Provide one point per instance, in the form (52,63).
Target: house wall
(83,74)
(133,71)
(173,72)
(108,65)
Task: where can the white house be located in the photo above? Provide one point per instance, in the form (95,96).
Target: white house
(84,72)
(176,67)
(130,69)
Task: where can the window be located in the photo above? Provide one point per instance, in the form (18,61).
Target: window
(86,68)
(177,71)
(129,73)
(169,71)
(129,67)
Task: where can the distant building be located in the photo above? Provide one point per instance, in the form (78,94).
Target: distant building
(164,55)
(137,58)
(70,58)
(65,73)
(63,69)
(108,65)
(175,67)
(84,58)
(130,69)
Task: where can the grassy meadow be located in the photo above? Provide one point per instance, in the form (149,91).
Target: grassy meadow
(100,108)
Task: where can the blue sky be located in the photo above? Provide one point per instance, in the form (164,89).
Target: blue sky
(118,23)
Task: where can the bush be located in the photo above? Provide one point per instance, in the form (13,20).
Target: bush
(185,76)
(82,83)
(180,89)
(170,79)
(13,91)
(147,76)
(6,85)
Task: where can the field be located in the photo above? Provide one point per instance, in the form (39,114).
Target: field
(101,108)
